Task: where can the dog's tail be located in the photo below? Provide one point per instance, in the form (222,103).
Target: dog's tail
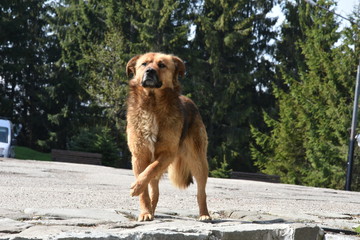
(180,174)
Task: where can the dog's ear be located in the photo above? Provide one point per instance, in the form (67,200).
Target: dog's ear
(130,66)
(180,66)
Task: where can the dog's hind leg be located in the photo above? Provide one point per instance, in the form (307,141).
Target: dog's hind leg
(199,169)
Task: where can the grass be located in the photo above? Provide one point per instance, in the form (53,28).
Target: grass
(29,154)
(357,229)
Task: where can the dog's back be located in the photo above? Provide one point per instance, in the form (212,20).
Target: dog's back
(192,146)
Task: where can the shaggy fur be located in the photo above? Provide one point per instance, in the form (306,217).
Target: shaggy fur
(165,132)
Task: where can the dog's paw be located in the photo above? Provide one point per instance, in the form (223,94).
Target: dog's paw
(137,188)
(145,217)
(204,218)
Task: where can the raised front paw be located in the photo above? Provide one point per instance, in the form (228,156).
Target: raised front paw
(137,188)
(145,217)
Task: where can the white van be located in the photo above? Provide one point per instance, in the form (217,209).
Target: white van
(6,139)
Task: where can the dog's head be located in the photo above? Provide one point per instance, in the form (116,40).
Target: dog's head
(155,70)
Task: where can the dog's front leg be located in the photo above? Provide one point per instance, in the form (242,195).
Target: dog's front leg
(145,203)
(154,170)
(154,193)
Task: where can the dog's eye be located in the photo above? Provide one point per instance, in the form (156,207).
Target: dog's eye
(144,64)
(161,65)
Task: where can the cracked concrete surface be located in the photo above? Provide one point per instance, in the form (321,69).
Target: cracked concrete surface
(49,200)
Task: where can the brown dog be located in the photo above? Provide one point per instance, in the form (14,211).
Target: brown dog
(165,132)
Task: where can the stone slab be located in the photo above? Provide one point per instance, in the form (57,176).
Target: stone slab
(51,200)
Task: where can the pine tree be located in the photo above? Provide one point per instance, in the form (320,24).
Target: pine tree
(162,26)
(231,38)
(351,46)
(308,141)
(26,67)
(98,38)
(227,76)
(94,52)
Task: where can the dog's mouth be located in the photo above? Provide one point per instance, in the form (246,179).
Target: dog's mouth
(150,79)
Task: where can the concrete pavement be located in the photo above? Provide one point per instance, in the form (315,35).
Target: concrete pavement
(51,200)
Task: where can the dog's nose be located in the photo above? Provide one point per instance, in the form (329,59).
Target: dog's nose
(150,71)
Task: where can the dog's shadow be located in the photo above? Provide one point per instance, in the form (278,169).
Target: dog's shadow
(169,218)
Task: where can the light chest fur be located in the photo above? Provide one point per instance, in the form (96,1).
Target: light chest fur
(147,128)
(150,118)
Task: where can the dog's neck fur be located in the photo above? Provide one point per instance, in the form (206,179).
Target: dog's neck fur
(153,99)
(148,108)
(157,102)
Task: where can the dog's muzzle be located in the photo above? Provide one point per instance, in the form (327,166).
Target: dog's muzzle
(150,79)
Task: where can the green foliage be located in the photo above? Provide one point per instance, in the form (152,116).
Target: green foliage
(308,140)
(98,39)
(30,154)
(357,229)
(161,25)
(223,171)
(27,55)
(355,183)
(97,140)
(95,39)
(231,92)
(280,107)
